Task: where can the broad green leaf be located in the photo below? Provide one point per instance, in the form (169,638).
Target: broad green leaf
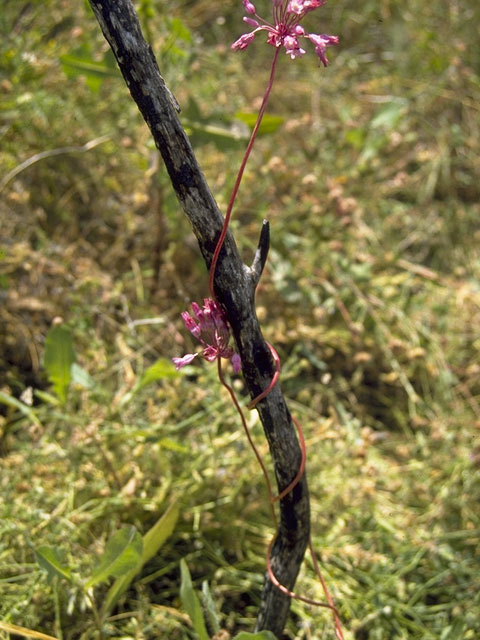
(157,535)
(58,359)
(159,370)
(152,541)
(11,401)
(191,603)
(260,635)
(49,559)
(122,553)
(269,124)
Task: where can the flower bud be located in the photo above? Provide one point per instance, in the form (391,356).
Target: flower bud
(249,6)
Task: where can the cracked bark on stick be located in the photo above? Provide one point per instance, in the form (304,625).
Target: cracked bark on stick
(235,285)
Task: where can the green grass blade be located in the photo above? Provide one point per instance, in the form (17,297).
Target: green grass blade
(261,635)
(11,401)
(191,602)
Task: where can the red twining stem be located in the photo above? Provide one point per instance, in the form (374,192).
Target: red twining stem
(273,382)
(247,433)
(338,624)
(256,400)
(282,494)
(292,594)
(216,253)
(329,604)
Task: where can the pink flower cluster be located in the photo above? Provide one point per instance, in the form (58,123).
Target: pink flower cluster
(209,325)
(285,28)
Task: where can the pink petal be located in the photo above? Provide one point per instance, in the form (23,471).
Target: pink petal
(190,324)
(181,362)
(321,43)
(236,363)
(243,41)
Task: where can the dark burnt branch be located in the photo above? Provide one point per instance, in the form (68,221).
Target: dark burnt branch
(261,253)
(234,285)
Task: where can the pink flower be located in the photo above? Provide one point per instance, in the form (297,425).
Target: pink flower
(244,40)
(284,30)
(292,47)
(209,325)
(321,43)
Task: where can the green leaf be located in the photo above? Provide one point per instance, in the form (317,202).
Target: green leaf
(223,136)
(11,401)
(81,63)
(216,129)
(269,124)
(159,370)
(356,137)
(46,397)
(191,603)
(122,553)
(157,535)
(152,541)
(175,47)
(74,65)
(180,30)
(58,359)
(49,559)
(261,635)
(389,115)
(454,632)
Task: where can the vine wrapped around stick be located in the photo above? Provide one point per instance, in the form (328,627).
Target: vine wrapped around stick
(232,283)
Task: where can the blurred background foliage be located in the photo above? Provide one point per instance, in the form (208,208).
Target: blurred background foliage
(369,173)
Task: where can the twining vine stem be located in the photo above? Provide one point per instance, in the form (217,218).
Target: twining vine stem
(236,186)
(266,391)
(235,285)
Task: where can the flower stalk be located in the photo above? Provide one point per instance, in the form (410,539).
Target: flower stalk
(241,170)
(209,324)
